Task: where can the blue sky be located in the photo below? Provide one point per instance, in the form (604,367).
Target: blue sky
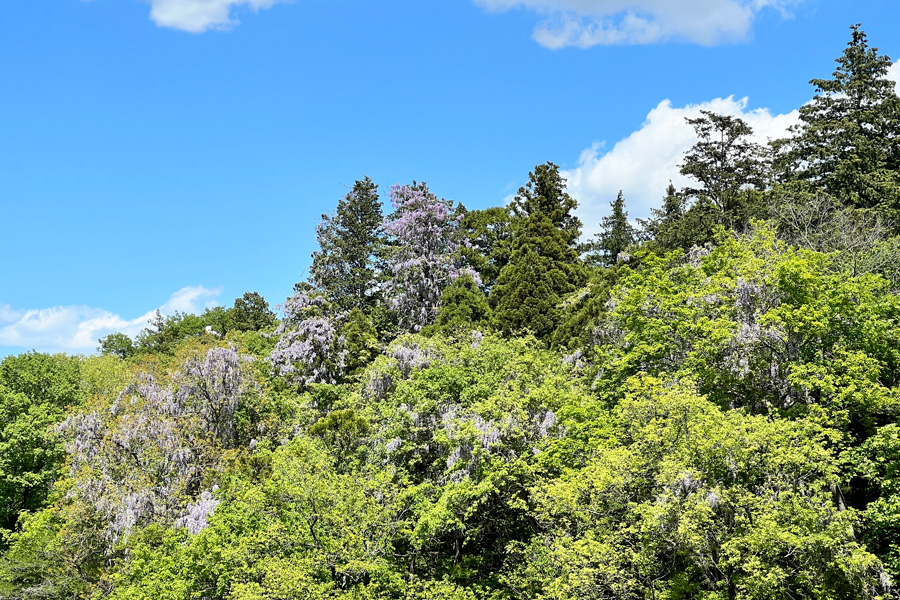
(176,153)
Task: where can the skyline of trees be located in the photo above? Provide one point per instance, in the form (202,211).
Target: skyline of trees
(471,405)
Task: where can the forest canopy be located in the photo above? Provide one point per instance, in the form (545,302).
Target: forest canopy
(481,405)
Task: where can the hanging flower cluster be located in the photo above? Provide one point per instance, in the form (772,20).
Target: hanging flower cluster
(426,254)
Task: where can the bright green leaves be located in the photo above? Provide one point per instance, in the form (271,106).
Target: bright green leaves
(697,501)
(35,391)
(757,324)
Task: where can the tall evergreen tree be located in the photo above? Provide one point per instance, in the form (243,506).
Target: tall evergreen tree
(250,313)
(730,169)
(463,307)
(616,234)
(488,234)
(543,264)
(679,226)
(847,143)
(350,240)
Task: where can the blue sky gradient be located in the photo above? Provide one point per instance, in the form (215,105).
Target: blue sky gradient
(139,160)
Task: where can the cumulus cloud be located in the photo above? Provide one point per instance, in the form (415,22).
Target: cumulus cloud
(642,164)
(586,23)
(894,74)
(197,16)
(76,329)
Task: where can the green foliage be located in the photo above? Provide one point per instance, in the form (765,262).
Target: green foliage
(463,307)
(35,391)
(761,325)
(489,234)
(730,169)
(250,313)
(696,502)
(543,264)
(679,226)
(360,341)
(616,235)
(714,418)
(848,141)
(165,333)
(350,243)
(877,463)
(117,344)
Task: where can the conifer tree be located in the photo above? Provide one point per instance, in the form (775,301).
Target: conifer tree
(463,307)
(345,266)
(676,226)
(543,264)
(616,234)
(488,235)
(250,313)
(847,143)
(730,169)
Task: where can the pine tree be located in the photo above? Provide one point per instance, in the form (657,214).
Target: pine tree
(847,143)
(250,313)
(731,170)
(616,234)
(676,226)
(543,264)
(350,240)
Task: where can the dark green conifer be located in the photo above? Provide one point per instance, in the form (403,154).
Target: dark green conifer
(616,235)
(344,267)
(360,341)
(847,143)
(463,307)
(543,264)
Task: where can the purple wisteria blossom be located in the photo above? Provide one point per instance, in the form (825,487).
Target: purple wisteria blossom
(195,517)
(310,348)
(426,254)
(143,459)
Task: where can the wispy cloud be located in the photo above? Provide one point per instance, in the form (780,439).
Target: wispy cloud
(197,16)
(586,23)
(76,329)
(643,163)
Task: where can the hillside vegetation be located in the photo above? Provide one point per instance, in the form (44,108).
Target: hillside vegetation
(476,405)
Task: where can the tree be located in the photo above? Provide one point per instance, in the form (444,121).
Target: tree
(847,143)
(310,348)
(35,391)
(147,457)
(250,313)
(463,307)
(488,234)
(616,234)
(117,344)
(165,332)
(678,225)
(345,266)
(425,253)
(543,264)
(360,340)
(729,167)
(822,223)
(689,501)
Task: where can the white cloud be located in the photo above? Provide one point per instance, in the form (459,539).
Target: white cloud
(642,164)
(197,16)
(894,73)
(586,23)
(76,329)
